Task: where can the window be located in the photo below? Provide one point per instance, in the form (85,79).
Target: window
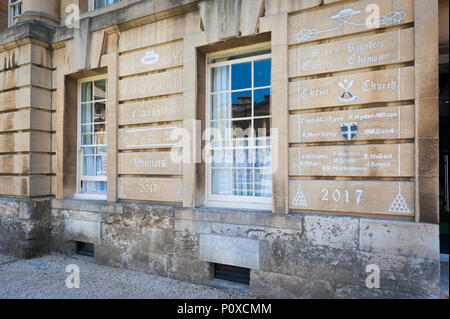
(239,169)
(97,4)
(92,125)
(15,10)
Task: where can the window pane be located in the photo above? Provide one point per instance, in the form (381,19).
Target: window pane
(242,129)
(242,104)
(220,79)
(241,76)
(262,127)
(101,150)
(244,157)
(99,138)
(100,89)
(88,150)
(242,182)
(86,92)
(93,187)
(87,128)
(100,112)
(221,158)
(103,3)
(101,165)
(87,139)
(262,102)
(220,107)
(262,72)
(89,166)
(220,130)
(86,113)
(221,182)
(263,157)
(263,183)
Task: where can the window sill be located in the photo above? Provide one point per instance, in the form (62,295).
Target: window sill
(90,196)
(238,205)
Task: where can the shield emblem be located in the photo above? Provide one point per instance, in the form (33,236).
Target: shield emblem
(349,130)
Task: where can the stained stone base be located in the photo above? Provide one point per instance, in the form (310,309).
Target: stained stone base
(289,256)
(24,227)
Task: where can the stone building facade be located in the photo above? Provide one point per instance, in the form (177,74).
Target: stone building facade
(352,175)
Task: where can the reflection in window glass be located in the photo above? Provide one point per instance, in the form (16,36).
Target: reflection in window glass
(242,104)
(262,102)
(241,76)
(262,72)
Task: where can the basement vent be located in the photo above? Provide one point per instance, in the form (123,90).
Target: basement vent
(232,273)
(85,249)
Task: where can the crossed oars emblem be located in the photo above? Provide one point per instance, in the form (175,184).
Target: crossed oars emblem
(346,86)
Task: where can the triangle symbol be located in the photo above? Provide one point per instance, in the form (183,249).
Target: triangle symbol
(398,205)
(299,199)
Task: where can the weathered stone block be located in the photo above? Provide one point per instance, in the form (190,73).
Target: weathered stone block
(235,251)
(189,269)
(81,230)
(148,216)
(337,232)
(24,227)
(186,244)
(399,238)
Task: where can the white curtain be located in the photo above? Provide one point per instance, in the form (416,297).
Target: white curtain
(89,159)
(220,110)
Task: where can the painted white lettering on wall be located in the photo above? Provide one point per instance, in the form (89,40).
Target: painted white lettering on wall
(139,162)
(369,85)
(148,188)
(156,85)
(337,195)
(149,113)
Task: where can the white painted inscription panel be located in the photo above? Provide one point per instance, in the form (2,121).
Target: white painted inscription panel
(148,137)
(350,89)
(150,85)
(381,123)
(149,111)
(150,59)
(353,53)
(151,189)
(384,160)
(148,163)
(370,197)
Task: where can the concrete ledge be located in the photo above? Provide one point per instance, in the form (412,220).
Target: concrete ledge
(241,217)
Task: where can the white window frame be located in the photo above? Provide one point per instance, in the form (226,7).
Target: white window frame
(224,201)
(79,193)
(11,6)
(91,5)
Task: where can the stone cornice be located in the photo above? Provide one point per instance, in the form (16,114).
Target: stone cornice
(123,18)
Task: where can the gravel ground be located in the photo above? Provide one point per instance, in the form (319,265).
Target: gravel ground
(44,278)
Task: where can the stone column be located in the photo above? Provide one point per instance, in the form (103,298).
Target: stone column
(46,10)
